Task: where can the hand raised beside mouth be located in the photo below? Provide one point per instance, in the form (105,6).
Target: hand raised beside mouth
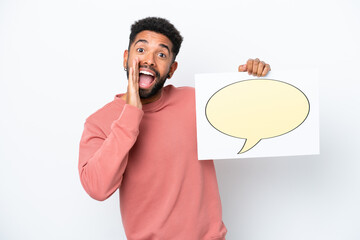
(132,94)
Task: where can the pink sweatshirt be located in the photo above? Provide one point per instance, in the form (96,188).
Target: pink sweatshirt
(166,193)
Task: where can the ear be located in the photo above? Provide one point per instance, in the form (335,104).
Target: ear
(125,58)
(173,68)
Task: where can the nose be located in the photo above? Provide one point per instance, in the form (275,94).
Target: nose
(149,59)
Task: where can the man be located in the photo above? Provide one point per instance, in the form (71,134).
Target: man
(144,143)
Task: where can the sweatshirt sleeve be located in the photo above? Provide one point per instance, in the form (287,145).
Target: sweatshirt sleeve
(103,159)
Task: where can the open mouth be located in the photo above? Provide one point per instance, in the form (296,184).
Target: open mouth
(146,78)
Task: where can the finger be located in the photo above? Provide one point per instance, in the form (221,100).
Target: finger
(266,70)
(242,68)
(255,67)
(136,67)
(130,77)
(249,65)
(135,78)
(260,68)
(129,86)
(137,72)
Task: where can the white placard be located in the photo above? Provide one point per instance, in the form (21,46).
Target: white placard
(241,116)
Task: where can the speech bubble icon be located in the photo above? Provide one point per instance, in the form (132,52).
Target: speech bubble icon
(257,109)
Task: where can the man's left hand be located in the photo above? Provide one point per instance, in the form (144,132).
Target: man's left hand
(255,67)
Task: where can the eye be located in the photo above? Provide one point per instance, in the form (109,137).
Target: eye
(162,55)
(140,50)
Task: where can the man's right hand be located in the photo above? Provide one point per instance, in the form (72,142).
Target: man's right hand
(132,94)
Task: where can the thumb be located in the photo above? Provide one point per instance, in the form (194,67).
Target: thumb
(242,68)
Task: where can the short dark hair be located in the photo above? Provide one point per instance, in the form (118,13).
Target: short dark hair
(159,25)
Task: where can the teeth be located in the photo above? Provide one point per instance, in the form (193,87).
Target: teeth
(146,73)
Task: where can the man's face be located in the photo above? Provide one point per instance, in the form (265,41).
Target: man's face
(153,51)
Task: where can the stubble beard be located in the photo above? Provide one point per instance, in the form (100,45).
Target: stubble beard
(147,93)
(159,83)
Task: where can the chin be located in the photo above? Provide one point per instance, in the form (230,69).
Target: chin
(148,93)
(144,93)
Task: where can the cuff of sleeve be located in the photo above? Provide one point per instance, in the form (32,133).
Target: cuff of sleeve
(129,118)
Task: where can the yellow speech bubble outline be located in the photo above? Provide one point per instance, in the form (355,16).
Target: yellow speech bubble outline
(289,109)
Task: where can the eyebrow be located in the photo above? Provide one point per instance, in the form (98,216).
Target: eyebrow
(161,44)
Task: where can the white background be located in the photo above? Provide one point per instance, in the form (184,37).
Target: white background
(62,60)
